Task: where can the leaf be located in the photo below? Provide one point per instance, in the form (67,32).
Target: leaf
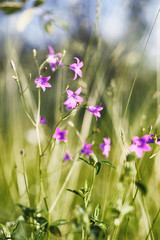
(84,160)
(102,225)
(15,226)
(48,26)
(108,163)
(38,3)
(76,192)
(5,231)
(142,187)
(24,19)
(131,157)
(41,220)
(97,212)
(62,24)
(116,212)
(60,222)
(11,7)
(97,167)
(55,230)
(27,212)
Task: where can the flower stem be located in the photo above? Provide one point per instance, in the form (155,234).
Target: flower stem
(22,100)
(62,119)
(25,179)
(40,154)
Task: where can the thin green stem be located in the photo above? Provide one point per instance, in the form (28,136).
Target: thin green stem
(40,153)
(22,100)
(91,189)
(51,139)
(153,222)
(25,179)
(139,66)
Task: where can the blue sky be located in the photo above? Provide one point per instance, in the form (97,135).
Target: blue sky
(113,23)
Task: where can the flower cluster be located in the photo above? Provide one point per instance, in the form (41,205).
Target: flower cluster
(60,137)
(73,100)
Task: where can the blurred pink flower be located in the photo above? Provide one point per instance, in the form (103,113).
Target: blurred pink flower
(139,145)
(105,146)
(54,59)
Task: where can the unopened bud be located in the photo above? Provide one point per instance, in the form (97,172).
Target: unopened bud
(22,152)
(64,53)
(34,53)
(45,69)
(13,65)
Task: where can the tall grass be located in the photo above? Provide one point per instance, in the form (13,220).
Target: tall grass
(40,181)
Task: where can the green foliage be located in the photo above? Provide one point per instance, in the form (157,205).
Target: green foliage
(11,7)
(131,157)
(38,3)
(142,187)
(95,163)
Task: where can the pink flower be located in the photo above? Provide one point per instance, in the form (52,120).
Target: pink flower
(42,82)
(73,99)
(95,110)
(76,68)
(86,149)
(60,135)
(54,59)
(139,145)
(105,146)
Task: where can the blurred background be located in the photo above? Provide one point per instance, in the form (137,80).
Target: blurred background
(110,37)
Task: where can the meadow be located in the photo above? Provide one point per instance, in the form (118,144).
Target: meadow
(79,142)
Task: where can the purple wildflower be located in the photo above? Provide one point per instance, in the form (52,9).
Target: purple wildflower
(95,110)
(86,149)
(139,145)
(67,157)
(73,99)
(42,120)
(42,82)
(54,59)
(105,146)
(76,68)
(60,135)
